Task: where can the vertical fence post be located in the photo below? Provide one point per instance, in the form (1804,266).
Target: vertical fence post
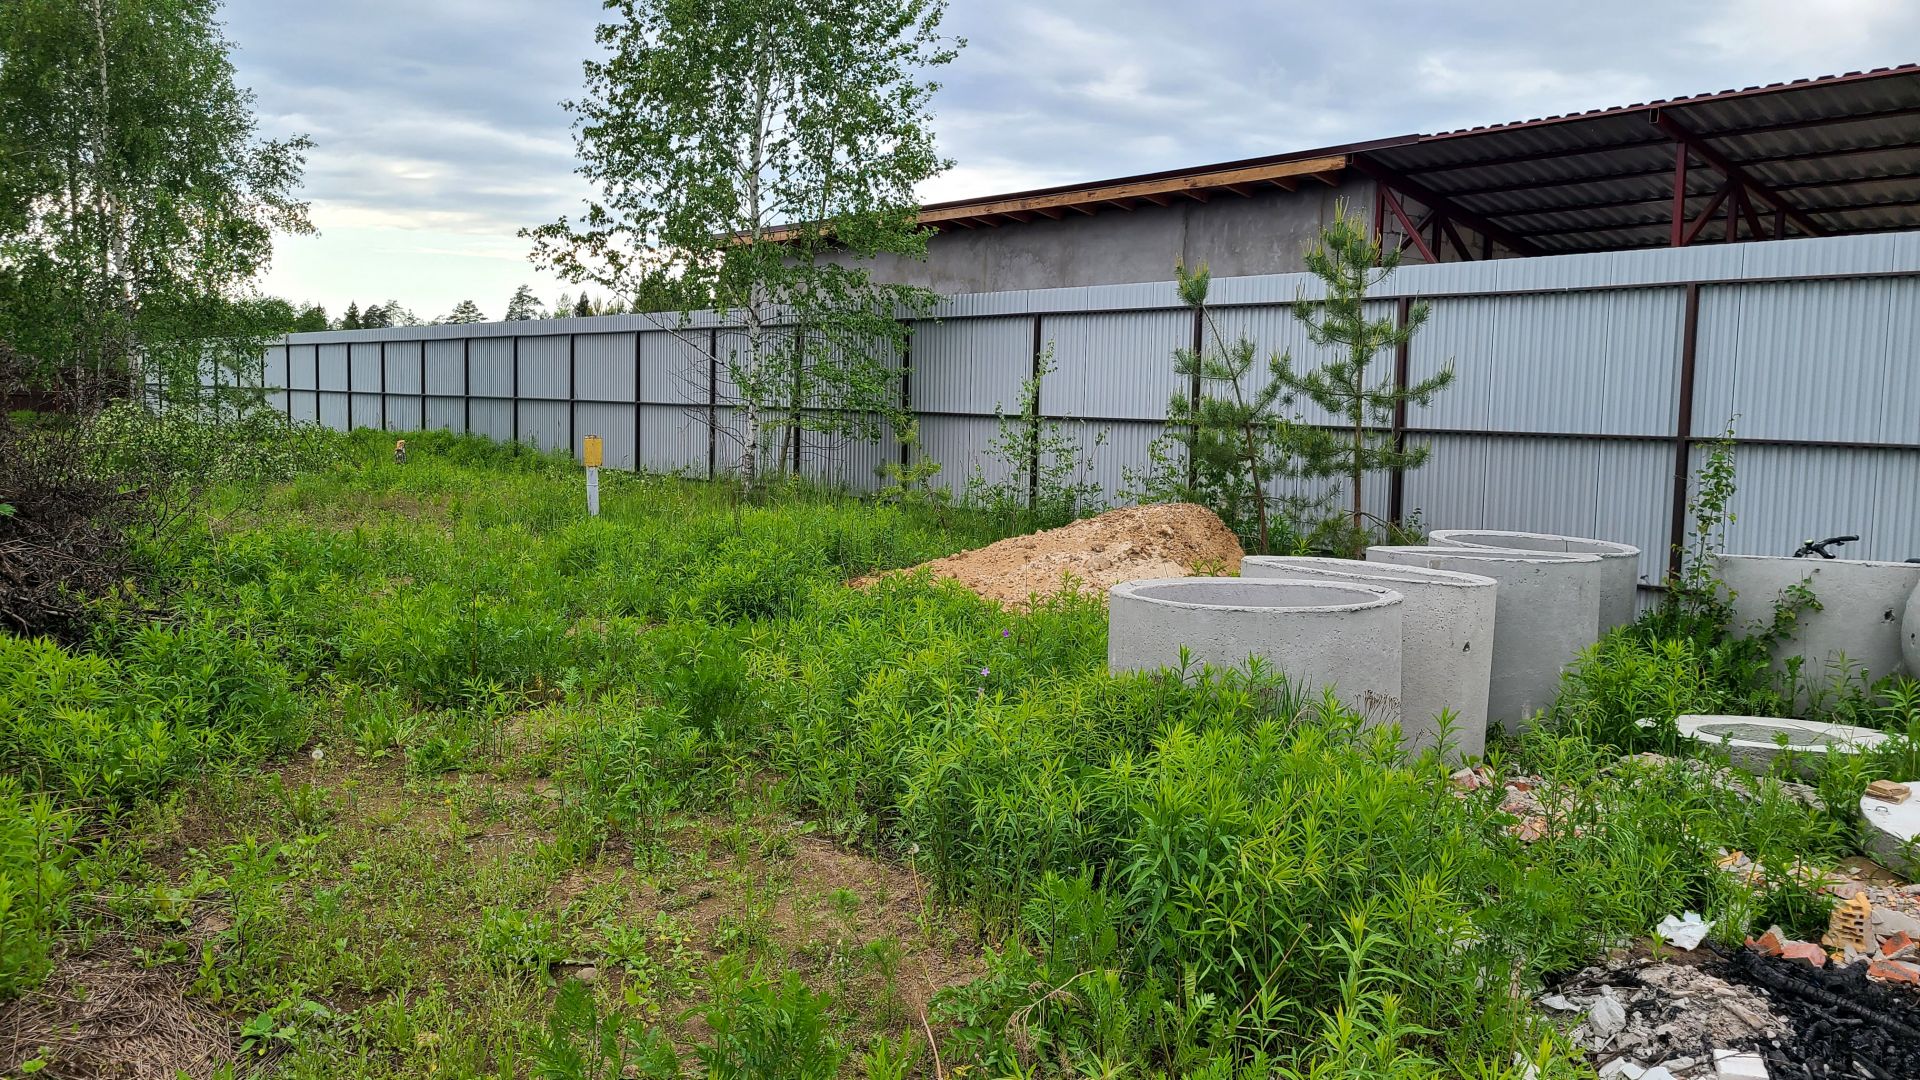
(466,386)
(636,400)
(1402,362)
(422,369)
(906,387)
(1193,397)
(573,399)
(713,402)
(316,396)
(1683,427)
(513,433)
(383,386)
(1033,427)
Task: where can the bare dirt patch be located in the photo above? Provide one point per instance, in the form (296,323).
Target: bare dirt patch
(1134,542)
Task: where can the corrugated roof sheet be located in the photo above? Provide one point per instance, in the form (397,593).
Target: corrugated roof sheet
(1842,150)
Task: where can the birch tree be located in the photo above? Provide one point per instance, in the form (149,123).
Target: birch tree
(136,202)
(748,155)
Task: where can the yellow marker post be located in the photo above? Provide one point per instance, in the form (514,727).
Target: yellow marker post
(592,454)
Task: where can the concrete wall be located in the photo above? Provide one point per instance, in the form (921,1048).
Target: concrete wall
(1234,236)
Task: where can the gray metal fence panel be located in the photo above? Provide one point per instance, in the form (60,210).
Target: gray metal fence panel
(673,368)
(273,373)
(446,367)
(332,367)
(1585,362)
(970,366)
(673,440)
(364,366)
(604,367)
(1790,494)
(1115,366)
(544,424)
(447,414)
(1607,489)
(1829,360)
(544,371)
(404,414)
(490,367)
(333,411)
(959,444)
(491,417)
(303,406)
(403,372)
(614,424)
(365,412)
(303,367)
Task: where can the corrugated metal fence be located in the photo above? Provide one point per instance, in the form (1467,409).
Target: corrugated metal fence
(1585,386)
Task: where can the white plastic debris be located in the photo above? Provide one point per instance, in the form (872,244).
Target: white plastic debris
(1738,1065)
(1658,1072)
(1685,932)
(1622,1069)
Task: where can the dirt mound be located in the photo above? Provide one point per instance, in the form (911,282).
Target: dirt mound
(1163,540)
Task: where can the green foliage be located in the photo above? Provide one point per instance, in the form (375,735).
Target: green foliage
(512,940)
(137,202)
(1349,263)
(172,702)
(735,146)
(1697,602)
(766,1029)
(1234,437)
(1190,873)
(910,482)
(35,839)
(1044,466)
(584,1043)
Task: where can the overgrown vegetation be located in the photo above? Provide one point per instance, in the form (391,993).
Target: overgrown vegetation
(1038,472)
(1237,441)
(656,793)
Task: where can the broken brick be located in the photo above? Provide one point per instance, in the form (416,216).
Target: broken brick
(1888,791)
(1771,943)
(1900,971)
(1851,926)
(1899,945)
(1804,952)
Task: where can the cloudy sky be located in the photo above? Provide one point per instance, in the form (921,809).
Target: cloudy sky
(439,134)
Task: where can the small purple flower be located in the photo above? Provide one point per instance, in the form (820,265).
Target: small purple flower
(984,671)
(1006,633)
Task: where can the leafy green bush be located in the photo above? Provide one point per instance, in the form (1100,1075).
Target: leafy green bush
(171,702)
(35,839)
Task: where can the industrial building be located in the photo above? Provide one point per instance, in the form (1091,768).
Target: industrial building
(1816,157)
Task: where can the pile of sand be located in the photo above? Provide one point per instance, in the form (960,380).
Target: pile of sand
(1164,540)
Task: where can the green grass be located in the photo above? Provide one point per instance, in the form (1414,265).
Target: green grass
(417,745)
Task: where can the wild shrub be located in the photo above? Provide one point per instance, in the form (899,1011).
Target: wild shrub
(35,850)
(172,702)
(767,1029)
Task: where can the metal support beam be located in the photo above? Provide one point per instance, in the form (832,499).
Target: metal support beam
(1692,232)
(1725,167)
(1413,230)
(1683,429)
(1679,197)
(1434,200)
